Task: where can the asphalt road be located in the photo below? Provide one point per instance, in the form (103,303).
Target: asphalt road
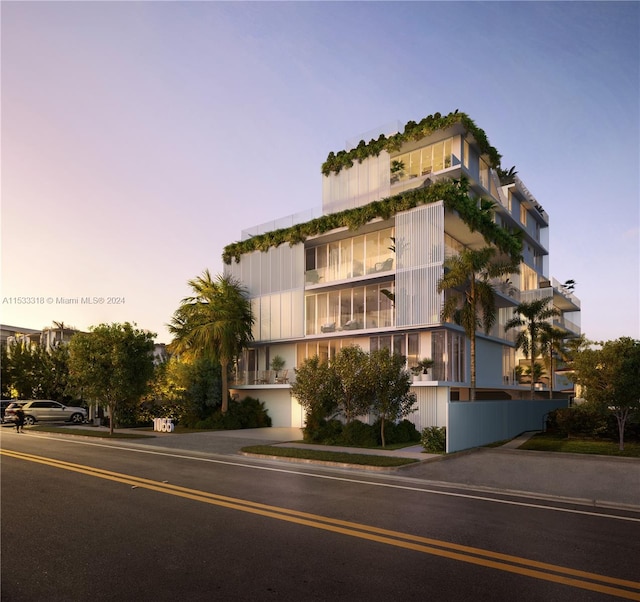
(87,521)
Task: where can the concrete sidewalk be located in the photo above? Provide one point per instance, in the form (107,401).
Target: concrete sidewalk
(587,479)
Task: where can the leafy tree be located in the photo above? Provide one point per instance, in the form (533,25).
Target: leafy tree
(471,303)
(215,322)
(352,369)
(552,345)
(5,372)
(112,364)
(532,318)
(184,388)
(22,370)
(316,388)
(391,383)
(610,375)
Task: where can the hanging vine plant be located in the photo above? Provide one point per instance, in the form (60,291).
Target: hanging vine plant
(454,194)
(412,131)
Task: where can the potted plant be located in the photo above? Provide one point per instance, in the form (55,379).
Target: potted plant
(397,170)
(277,364)
(422,367)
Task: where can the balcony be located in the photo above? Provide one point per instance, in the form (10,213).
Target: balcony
(261,378)
(320,277)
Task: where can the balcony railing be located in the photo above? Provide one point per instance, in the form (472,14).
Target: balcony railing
(262,377)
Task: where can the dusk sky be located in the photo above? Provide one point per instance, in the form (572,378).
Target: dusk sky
(138,139)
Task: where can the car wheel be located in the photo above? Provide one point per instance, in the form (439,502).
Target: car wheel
(29,420)
(77,418)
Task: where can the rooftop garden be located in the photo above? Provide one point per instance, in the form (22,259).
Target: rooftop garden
(412,131)
(454,193)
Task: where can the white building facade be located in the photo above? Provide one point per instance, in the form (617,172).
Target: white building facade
(366,270)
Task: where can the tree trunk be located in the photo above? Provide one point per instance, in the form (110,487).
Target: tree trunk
(225,386)
(472,393)
(382,430)
(112,416)
(621,417)
(533,374)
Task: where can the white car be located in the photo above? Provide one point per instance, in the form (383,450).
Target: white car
(45,410)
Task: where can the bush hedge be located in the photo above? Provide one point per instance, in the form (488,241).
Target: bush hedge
(357,433)
(434,439)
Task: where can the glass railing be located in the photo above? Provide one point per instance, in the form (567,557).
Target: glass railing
(261,377)
(328,275)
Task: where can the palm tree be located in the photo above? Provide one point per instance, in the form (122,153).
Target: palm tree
(473,302)
(532,317)
(216,321)
(552,345)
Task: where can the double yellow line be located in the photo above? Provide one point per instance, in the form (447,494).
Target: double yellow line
(622,588)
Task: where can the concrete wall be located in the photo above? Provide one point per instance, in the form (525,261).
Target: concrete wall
(283,409)
(474,423)
(431,406)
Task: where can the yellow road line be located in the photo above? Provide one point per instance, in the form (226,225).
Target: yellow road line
(504,562)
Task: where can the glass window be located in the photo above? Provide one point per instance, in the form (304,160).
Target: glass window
(413,348)
(385,312)
(385,342)
(372,247)
(310,303)
(333,316)
(447,152)
(399,344)
(321,262)
(301,353)
(484,174)
(321,309)
(438,156)
(333,270)
(358,256)
(345,307)
(523,214)
(413,168)
(358,306)
(372,307)
(427,160)
(345,259)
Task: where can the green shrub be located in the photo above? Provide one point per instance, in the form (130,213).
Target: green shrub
(403,432)
(359,434)
(321,431)
(578,421)
(406,432)
(434,439)
(246,414)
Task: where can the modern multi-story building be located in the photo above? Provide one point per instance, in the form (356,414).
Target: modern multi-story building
(365,270)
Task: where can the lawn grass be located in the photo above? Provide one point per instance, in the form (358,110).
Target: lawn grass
(559,443)
(88,432)
(328,456)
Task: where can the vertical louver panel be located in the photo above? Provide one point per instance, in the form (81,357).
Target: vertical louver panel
(420,254)
(275,281)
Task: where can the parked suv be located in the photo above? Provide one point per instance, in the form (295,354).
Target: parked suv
(45,410)
(9,414)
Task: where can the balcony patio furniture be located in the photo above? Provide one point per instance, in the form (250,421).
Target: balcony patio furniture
(384,266)
(283,377)
(351,325)
(264,378)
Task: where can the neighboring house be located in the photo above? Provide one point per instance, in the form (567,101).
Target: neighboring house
(318,286)
(160,353)
(9,333)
